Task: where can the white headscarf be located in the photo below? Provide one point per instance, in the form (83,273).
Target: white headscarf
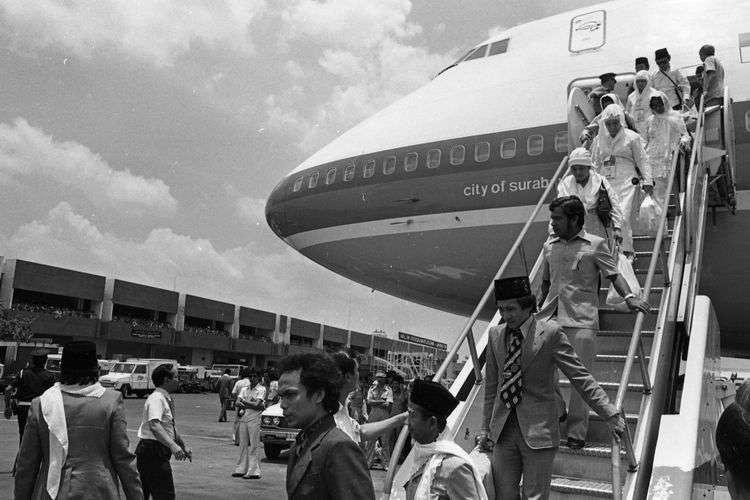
(604,141)
(642,97)
(615,99)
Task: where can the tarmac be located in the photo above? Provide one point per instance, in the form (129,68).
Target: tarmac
(208,476)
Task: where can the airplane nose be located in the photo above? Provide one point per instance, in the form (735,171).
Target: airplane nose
(275,214)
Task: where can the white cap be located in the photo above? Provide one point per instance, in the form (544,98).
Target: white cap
(580,156)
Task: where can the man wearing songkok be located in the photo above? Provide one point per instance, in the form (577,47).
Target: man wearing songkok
(671,81)
(437,468)
(608,82)
(641,63)
(521,404)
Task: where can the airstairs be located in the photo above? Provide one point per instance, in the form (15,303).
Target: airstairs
(642,359)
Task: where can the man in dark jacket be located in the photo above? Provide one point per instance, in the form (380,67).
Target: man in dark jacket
(224,388)
(31,382)
(324,463)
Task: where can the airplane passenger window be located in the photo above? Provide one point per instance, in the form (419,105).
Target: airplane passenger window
(369,170)
(298,184)
(458,154)
(349,173)
(499,47)
(433,158)
(482,152)
(389,165)
(410,162)
(313,180)
(476,53)
(747,121)
(561,141)
(507,149)
(330,176)
(535,145)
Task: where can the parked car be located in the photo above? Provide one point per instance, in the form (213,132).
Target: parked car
(133,376)
(52,365)
(275,434)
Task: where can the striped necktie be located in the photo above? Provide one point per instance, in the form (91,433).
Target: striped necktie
(510,390)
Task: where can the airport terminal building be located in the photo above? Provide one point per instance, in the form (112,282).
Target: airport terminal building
(125,319)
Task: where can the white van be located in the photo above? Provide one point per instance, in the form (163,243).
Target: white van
(133,376)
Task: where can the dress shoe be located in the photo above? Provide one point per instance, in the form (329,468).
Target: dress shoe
(576,444)
(237,474)
(252,476)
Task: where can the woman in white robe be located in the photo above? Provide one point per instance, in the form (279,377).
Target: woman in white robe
(638,101)
(618,155)
(665,132)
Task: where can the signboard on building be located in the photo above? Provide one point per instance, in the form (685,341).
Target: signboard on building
(145,334)
(408,337)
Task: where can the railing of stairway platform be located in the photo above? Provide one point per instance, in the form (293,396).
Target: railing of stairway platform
(467,332)
(688,181)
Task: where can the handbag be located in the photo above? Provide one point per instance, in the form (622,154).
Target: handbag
(604,206)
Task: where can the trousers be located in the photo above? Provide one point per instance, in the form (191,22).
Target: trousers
(152,462)
(513,459)
(249,462)
(583,341)
(22,412)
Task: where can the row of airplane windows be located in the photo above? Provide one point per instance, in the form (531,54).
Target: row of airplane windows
(457,156)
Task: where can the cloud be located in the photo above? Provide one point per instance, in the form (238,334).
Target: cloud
(27,152)
(496,30)
(155,31)
(251,210)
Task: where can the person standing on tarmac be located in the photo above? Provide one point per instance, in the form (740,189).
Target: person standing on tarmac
(31,382)
(224,388)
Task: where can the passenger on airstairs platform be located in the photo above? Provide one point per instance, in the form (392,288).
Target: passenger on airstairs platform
(671,81)
(603,210)
(713,76)
(665,131)
(590,130)
(617,154)
(608,82)
(637,104)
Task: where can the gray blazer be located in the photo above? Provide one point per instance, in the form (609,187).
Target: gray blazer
(543,351)
(98,458)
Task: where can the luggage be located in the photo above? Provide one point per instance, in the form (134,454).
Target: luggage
(624,269)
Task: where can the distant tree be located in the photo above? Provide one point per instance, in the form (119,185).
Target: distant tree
(16,328)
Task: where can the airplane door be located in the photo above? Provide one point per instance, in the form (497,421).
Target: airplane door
(580,114)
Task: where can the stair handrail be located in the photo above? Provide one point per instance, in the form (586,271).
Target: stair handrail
(466,333)
(636,343)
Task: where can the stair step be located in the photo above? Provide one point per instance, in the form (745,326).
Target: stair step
(644,243)
(563,487)
(598,430)
(608,368)
(594,462)
(617,342)
(654,296)
(610,319)
(633,395)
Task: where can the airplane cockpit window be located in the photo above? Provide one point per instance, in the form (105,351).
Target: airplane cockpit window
(313,180)
(458,155)
(369,170)
(433,158)
(507,149)
(330,176)
(410,162)
(349,172)
(477,53)
(535,145)
(482,152)
(561,141)
(499,47)
(298,184)
(389,165)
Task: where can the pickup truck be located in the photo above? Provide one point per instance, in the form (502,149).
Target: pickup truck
(133,376)
(275,434)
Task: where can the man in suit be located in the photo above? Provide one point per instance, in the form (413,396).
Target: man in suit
(521,404)
(95,460)
(31,382)
(224,388)
(324,463)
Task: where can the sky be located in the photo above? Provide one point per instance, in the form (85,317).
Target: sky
(140,139)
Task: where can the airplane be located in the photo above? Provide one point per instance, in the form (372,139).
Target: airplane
(423,199)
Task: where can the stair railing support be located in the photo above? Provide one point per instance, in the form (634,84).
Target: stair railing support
(474,357)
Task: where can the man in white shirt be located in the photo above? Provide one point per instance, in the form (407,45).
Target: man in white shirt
(252,402)
(671,81)
(713,76)
(243,382)
(159,439)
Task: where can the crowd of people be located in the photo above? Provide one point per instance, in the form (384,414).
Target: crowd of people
(143,323)
(206,330)
(58,312)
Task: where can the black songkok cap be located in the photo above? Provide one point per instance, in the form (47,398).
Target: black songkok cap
(661,54)
(433,397)
(512,288)
(642,60)
(78,358)
(607,76)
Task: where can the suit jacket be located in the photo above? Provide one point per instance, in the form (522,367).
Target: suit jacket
(98,459)
(325,464)
(545,349)
(453,479)
(224,386)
